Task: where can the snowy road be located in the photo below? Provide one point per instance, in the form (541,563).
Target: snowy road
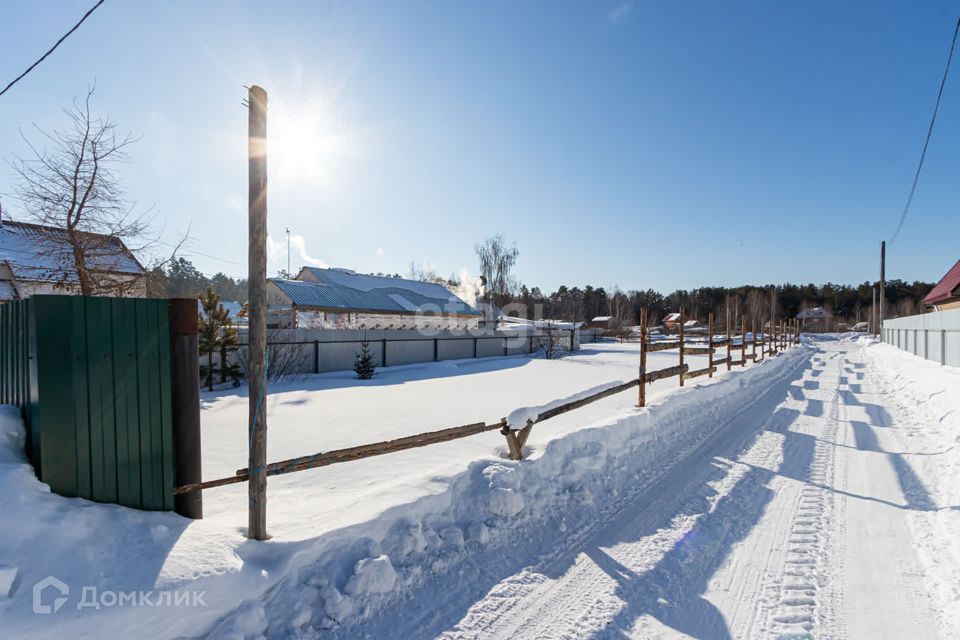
(792,520)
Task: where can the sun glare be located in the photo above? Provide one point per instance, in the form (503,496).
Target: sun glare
(302,147)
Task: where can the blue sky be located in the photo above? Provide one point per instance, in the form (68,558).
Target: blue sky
(640,144)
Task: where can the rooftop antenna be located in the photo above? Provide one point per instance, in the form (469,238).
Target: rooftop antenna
(289,275)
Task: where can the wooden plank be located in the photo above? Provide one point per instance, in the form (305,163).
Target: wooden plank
(662,374)
(698,351)
(699,372)
(323,459)
(570,406)
(720,361)
(514,447)
(662,346)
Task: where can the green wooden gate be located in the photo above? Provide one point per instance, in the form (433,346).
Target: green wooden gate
(93,379)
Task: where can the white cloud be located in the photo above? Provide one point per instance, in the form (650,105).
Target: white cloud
(380,252)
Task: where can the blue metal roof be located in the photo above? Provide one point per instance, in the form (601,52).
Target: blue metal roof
(394,296)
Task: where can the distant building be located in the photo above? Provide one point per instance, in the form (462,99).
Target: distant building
(600,322)
(671,321)
(37,259)
(946,294)
(235,311)
(817,313)
(343,299)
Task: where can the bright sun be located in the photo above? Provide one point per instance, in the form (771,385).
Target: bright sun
(302,147)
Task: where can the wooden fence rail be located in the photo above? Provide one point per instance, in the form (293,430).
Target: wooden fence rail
(517,437)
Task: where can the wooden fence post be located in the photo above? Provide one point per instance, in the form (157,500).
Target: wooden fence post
(681,345)
(729,339)
(642,400)
(710,345)
(753,336)
(223,364)
(185,398)
(743,341)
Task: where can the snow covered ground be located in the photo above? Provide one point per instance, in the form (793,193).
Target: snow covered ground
(813,495)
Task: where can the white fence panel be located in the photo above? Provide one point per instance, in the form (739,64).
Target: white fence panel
(934,336)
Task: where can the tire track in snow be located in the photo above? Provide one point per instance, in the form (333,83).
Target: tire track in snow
(649,560)
(801,585)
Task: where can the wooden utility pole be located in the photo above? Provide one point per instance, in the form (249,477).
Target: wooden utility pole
(257,331)
(883,279)
(642,399)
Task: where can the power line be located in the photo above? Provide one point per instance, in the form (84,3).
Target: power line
(933,119)
(56,44)
(191,252)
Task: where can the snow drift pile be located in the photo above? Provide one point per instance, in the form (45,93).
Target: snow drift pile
(339,578)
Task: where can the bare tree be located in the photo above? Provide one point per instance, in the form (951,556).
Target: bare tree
(550,340)
(496,264)
(69,184)
(423,273)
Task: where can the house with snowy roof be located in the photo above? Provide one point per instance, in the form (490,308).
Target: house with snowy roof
(344,299)
(38,259)
(946,293)
(816,313)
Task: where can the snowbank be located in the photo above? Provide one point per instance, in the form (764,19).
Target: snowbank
(926,393)
(333,581)
(499,506)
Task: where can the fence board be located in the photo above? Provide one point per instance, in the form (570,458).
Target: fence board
(77,321)
(123,334)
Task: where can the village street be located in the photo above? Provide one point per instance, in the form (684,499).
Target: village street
(794,519)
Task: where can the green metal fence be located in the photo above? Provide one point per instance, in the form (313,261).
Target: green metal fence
(93,379)
(14,363)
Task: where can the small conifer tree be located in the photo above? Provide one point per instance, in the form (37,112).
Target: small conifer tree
(216,333)
(363,362)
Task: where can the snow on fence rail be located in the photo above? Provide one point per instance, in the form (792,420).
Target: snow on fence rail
(933,336)
(519,424)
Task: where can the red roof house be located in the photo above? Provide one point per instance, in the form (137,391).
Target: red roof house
(946,295)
